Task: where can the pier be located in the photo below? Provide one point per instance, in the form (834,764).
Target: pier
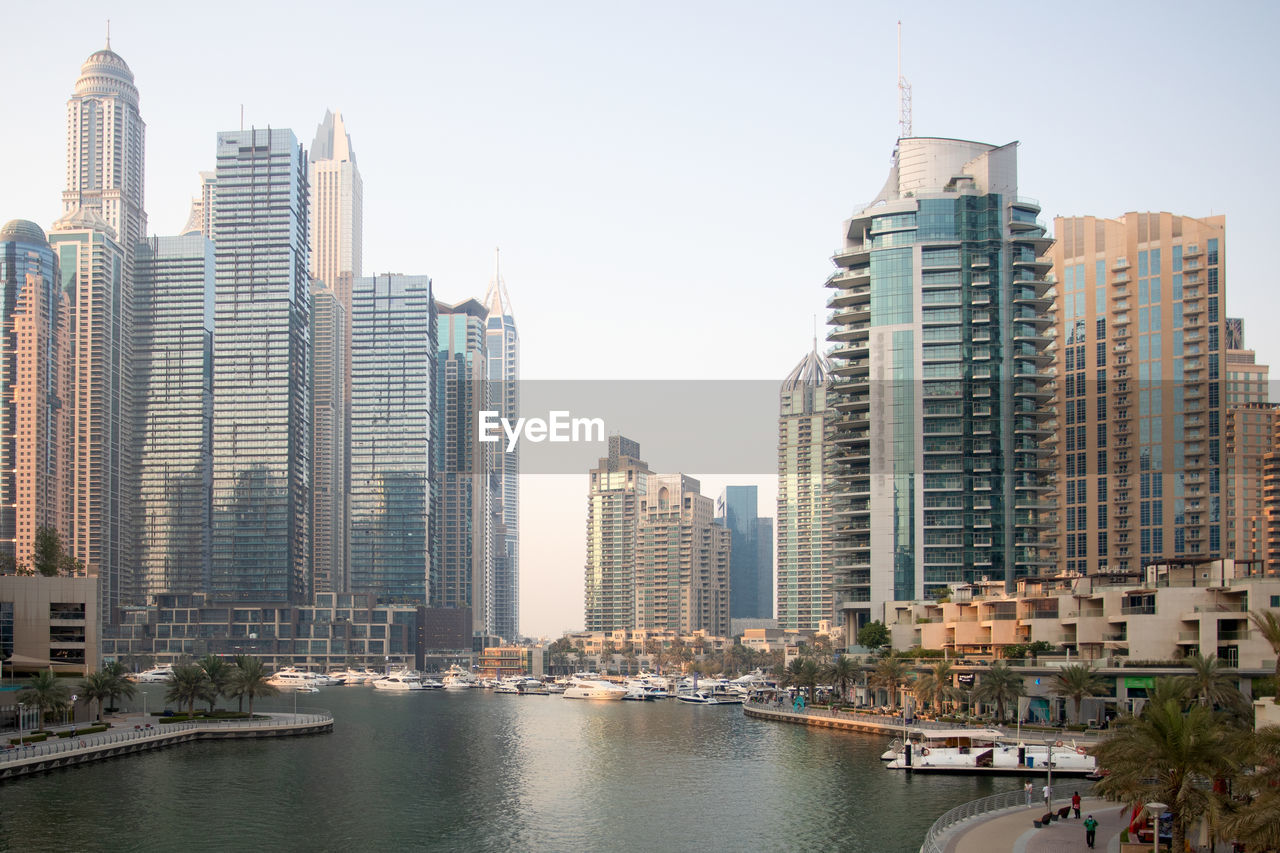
(135,734)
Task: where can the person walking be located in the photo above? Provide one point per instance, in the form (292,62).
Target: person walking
(1090,830)
(1028,788)
(1075,803)
(1047,793)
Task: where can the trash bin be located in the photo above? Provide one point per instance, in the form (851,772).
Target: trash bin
(1031,761)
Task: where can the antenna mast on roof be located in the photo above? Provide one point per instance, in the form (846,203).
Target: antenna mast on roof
(904,94)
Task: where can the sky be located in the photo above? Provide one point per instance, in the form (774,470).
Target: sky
(666,180)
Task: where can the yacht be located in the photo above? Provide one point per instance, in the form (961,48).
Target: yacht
(154,676)
(986,751)
(703,696)
(532,687)
(643,693)
(509,686)
(398,681)
(290,678)
(584,688)
(458,678)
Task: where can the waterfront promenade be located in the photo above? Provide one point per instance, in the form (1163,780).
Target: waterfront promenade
(134,733)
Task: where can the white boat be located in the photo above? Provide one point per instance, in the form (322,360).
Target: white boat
(643,693)
(704,697)
(398,681)
(894,750)
(987,751)
(154,676)
(508,686)
(585,688)
(457,678)
(532,687)
(291,678)
(431,683)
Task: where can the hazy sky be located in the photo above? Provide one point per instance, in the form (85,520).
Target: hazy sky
(667,180)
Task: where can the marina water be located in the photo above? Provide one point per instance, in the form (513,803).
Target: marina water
(475,771)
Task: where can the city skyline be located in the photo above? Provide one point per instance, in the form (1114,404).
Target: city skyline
(772,124)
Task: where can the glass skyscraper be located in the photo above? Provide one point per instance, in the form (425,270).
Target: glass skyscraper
(262,404)
(329,423)
(392,380)
(173,354)
(502,341)
(751,561)
(939,380)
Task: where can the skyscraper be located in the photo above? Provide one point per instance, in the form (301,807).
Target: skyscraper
(939,375)
(33,417)
(502,341)
(681,559)
(100,399)
(262,405)
(751,563)
(804,499)
(463,513)
(173,354)
(618,485)
(1139,363)
(329,441)
(105,148)
(337,207)
(393,374)
(200,219)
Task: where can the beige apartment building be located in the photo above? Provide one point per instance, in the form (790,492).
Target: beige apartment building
(1139,361)
(1164,613)
(1251,432)
(49,623)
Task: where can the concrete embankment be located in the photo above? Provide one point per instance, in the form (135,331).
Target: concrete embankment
(130,738)
(825,719)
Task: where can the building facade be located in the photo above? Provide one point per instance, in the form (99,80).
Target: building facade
(681,559)
(502,341)
(751,560)
(804,495)
(173,357)
(1140,362)
(105,148)
(337,207)
(262,405)
(392,417)
(101,453)
(618,485)
(463,511)
(34,428)
(939,374)
(329,441)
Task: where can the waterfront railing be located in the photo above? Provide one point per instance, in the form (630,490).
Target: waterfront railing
(993,803)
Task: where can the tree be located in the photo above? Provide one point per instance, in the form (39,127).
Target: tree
(873,635)
(1075,682)
(935,686)
(189,684)
(1211,683)
(842,672)
(97,687)
(1250,817)
(803,673)
(49,558)
(120,685)
(889,675)
(249,679)
(1269,627)
(1170,757)
(46,692)
(1000,686)
(219,675)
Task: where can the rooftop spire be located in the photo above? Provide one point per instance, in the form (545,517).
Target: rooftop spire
(496,299)
(108,34)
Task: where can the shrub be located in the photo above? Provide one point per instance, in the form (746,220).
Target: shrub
(30,738)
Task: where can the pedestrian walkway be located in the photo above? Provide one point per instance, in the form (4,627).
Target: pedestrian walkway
(1013,830)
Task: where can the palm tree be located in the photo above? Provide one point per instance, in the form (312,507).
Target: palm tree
(120,685)
(1269,627)
(803,674)
(842,672)
(1211,683)
(1075,682)
(935,686)
(219,675)
(1000,686)
(1252,820)
(188,684)
(1168,756)
(889,675)
(97,687)
(46,692)
(250,679)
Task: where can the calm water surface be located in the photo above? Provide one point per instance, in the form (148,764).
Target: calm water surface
(471,770)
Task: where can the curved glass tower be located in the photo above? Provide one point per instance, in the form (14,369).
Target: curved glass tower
(940,377)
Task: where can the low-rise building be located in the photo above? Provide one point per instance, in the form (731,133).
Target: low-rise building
(509,661)
(49,623)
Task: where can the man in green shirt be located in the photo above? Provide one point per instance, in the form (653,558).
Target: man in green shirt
(1090,829)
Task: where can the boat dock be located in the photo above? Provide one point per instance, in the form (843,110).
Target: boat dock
(132,735)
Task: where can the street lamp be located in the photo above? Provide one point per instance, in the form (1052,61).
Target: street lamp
(1156,809)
